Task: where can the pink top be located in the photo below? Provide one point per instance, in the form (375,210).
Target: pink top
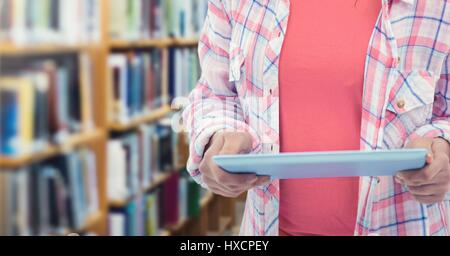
(310,95)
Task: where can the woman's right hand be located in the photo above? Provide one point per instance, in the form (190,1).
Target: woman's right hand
(219,181)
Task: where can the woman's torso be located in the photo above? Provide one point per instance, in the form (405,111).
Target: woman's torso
(321,84)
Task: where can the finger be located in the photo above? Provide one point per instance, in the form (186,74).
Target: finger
(421,143)
(217,142)
(214,149)
(236,143)
(399,180)
(440,145)
(262,180)
(426,175)
(428,190)
(429,158)
(225,194)
(237,190)
(217,188)
(430,199)
(438,164)
(226,178)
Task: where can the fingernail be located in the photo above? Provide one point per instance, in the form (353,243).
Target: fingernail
(429,159)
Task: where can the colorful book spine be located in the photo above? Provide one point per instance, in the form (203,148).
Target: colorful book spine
(49,197)
(49,21)
(143,19)
(46,100)
(135,83)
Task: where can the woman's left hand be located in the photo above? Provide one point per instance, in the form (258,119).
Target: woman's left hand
(431,183)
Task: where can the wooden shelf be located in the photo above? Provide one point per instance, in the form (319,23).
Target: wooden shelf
(206,200)
(224,225)
(153,43)
(185,42)
(13,49)
(91,221)
(134,123)
(177,227)
(52,150)
(165,233)
(158,180)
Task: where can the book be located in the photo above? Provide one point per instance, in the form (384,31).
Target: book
(118,77)
(151,214)
(135,159)
(124,170)
(158,150)
(184,72)
(50,21)
(20,139)
(86,85)
(170,211)
(193,197)
(117,185)
(44,99)
(165,148)
(135,83)
(48,197)
(9,123)
(144,19)
(116,224)
(183,198)
(75,169)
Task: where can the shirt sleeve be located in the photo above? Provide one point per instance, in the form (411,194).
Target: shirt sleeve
(440,123)
(213,104)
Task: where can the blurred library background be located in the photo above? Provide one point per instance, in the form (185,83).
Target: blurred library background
(86,143)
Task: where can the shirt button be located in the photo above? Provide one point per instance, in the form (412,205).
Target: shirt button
(401,104)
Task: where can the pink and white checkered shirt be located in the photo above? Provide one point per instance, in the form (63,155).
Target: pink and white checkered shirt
(407,60)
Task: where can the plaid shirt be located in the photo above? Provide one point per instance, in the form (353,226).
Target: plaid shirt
(405,96)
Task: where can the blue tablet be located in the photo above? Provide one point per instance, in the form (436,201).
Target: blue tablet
(324,164)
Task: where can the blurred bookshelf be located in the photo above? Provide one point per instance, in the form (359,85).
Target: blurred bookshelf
(156,43)
(84,108)
(69,144)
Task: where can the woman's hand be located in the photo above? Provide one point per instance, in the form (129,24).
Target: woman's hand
(430,184)
(219,181)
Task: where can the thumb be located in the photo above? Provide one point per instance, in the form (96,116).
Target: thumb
(439,145)
(425,143)
(216,144)
(236,143)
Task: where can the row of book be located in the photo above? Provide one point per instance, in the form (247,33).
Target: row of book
(43,100)
(49,21)
(144,19)
(184,71)
(135,159)
(53,197)
(136,81)
(150,214)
